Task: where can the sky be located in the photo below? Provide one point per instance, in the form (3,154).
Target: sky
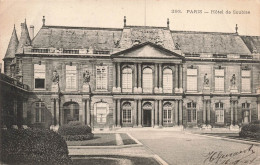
(104,13)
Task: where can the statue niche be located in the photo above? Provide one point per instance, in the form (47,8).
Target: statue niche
(233,87)
(86,80)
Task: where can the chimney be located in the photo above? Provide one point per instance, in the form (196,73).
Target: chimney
(32,32)
(124,21)
(168,23)
(43,21)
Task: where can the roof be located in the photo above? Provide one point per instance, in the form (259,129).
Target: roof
(24,39)
(114,39)
(12,46)
(209,42)
(76,38)
(252,42)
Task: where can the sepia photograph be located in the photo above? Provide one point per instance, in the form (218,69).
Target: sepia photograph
(130,82)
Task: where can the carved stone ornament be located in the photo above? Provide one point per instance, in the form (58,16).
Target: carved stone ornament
(206,79)
(86,77)
(233,80)
(55,77)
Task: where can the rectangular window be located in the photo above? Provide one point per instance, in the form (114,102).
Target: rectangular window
(167,116)
(127,116)
(101,77)
(101,114)
(39,112)
(192,114)
(246,81)
(220,116)
(192,80)
(219,80)
(39,76)
(246,113)
(71,77)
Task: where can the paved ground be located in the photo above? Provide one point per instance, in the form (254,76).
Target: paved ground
(190,149)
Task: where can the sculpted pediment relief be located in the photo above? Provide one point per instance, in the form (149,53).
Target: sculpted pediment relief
(147,50)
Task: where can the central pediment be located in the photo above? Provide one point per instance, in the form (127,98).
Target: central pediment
(147,50)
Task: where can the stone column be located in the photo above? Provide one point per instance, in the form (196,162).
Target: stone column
(53,111)
(153,116)
(84,110)
(208,114)
(156,112)
(135,113)
(139,77)
(180,112)
(114,112)
(176,78)
(155,78)
(118,113)
(204,112)
(236,102)
(114,77)
(118,77)
(231,112)
(139,113)
(160,113)
(160,78)
(176,112)
(25,112)
(180,80)
(136,79)
(58,115)
(88,111)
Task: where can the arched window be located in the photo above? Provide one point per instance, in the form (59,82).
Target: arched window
(219,108)
(167,80)
(147,80)
(192,114)
(246,112)
(167,113)
(127,80)
(39,112)
(127,113)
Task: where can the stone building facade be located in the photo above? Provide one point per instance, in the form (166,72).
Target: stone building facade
(136,76)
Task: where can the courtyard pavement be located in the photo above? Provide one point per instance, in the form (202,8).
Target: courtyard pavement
(184,148)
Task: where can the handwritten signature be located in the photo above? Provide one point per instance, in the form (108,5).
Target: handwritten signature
(246,156)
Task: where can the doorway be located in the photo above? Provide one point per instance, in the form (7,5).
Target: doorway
(147,118)
(70,112)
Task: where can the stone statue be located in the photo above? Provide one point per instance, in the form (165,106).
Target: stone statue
(86,77)
(177,46)
(206,79)
(55,76)
(233,80)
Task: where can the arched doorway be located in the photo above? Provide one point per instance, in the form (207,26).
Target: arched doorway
(147,113)
(71,112)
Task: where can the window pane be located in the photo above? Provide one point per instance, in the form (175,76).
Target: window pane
(219,72)
(246,85)
(71,73)
(147,80)
(39,83)
(127,80)
(42,115)
(219,83)
(192,83)
(245,73)
(101,77)
(37,115)
(189,115)
(192,72)
(167,81)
